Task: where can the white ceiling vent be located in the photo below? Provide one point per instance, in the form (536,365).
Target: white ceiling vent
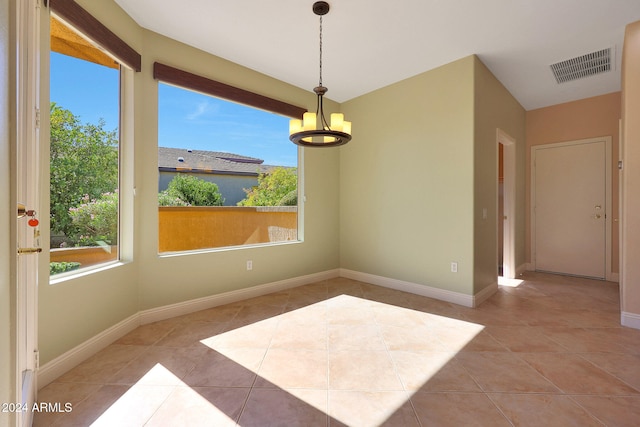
(582,66)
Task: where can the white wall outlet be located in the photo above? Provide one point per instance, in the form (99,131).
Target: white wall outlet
(454,267)
(249,265)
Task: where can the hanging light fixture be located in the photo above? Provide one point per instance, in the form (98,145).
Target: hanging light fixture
(314,130)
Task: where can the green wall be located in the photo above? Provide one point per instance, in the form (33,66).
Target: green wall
(406,180)
(494,108)
(421,167)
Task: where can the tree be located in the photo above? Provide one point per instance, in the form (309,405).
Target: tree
(276,188)
(84,164)
(96,221)
(188,190)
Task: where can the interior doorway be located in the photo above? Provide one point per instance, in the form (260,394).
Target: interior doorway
(506,197)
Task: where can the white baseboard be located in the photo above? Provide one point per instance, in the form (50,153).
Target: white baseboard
(484,294)
(630,320)
(72,358)
(186,307)
(414,288)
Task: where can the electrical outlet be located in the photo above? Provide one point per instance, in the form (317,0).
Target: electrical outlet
(454,267)
(249,265)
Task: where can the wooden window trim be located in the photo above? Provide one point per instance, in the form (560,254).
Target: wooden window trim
(177,77)
(82,20)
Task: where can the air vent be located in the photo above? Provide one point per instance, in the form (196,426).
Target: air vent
(582,66)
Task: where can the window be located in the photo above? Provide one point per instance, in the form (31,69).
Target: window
(84,152)
(228,174)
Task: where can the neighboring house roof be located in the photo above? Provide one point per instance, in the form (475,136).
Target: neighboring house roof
(213,162)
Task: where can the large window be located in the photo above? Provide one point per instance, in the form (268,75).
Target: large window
(84,152)
(228,174)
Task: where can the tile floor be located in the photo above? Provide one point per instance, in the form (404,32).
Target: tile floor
(548,352)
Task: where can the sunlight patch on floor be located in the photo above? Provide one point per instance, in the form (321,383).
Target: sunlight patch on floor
(353,347)
(511,283)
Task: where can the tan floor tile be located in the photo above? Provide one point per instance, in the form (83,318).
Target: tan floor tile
(357,352)
(432,371)
(190,334)
(370,408)
(200,406)
(357,315)
(444,409)
(135,407)
(251,335)
(619,411)
(580,340)
(550,410)
(355,337)
(524,339)
(93,407)
(221,314)
(504,372)
(62,394)
(148,334)
(419,338)
(293,369)
(362,370)
(305,313)
(234,368)
(101,366)
(301,336)
(159,366)
(387,314)
(573,374)
(623,366)
(466,339)
(278,407)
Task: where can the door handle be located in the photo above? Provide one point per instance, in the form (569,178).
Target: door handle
(22,210)
(28,251)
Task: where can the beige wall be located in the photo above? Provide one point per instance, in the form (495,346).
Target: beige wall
(586,118)
(75,310)
(495,108)
(630,279)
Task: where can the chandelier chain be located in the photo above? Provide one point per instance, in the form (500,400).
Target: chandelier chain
(320,82)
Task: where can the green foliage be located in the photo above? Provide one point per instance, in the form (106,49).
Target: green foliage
(290,199)
(275,188)
(96,221)
(61,267)
(165,199)
(188,190)
(84,162)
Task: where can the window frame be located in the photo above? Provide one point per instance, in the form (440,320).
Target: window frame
(78,19)
(188,81)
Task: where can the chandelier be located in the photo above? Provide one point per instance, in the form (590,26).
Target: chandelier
(314,130)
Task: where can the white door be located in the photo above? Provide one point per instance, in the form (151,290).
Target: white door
(570,207)
(27,192)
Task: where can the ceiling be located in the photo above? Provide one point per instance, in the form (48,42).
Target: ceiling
(369,44)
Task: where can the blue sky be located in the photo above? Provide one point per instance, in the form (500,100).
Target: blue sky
(186,119)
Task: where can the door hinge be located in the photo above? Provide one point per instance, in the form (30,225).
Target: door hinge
(37,118)
(36,358)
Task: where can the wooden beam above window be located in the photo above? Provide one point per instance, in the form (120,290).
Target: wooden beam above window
(73,14)
(175,76)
